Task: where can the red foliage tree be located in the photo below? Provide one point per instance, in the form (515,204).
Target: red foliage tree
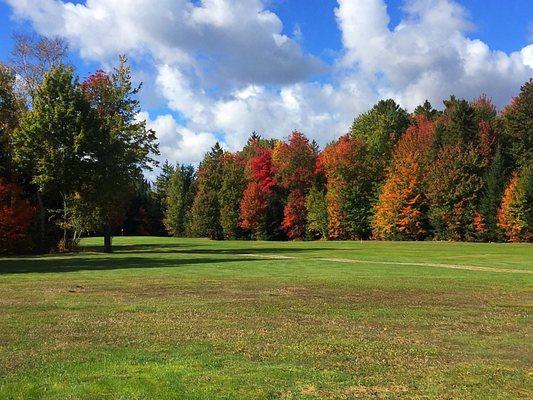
(256,196)
(295,166)
(294,215)
(16,216)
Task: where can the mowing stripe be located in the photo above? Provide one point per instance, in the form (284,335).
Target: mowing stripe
(417,264)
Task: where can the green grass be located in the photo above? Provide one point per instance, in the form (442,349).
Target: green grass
(165,318)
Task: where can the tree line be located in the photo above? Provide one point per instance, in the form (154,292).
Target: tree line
(72,156)
(463,174)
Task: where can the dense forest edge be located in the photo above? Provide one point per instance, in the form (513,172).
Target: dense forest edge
(73,153)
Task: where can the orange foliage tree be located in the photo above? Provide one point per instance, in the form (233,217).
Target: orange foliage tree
(400,210)
(347,171)
(515,215)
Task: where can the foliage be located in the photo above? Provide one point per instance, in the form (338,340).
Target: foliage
(231,193)
(317,213)
(260,208)
(180,191)
(401,211)
(10,111)
(381,127)
(53,137)
(453,185)
(515,215)
(294,163)
(494,183)
(206,205)
(16,217)
(121,147)
(426,110)
(349,179)
(518,126)
(458,124)
(294,215)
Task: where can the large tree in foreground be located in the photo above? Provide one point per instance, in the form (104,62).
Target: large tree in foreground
(120,149)
(53,137)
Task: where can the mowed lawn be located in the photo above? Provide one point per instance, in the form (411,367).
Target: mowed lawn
(166,318)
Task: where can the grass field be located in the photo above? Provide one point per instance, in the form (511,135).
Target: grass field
(165,318)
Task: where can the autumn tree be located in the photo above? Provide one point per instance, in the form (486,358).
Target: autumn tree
(464,148)
(206,205)
(515,215)
(350,190)
(16,217)
(377,130)
(261,210)
(294,162)
(400,213)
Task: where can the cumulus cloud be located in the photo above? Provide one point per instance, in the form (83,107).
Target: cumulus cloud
(226,69)
(428,54)
(225,41)
(177,142)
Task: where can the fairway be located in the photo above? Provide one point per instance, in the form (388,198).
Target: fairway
(168,318)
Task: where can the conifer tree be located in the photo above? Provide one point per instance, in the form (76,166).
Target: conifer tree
(206,205)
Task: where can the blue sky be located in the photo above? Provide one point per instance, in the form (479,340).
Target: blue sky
(216,70)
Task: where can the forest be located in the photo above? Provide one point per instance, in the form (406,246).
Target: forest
(73,154)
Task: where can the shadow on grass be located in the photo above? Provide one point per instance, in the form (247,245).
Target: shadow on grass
(196,249)
(53,264)
(124,257)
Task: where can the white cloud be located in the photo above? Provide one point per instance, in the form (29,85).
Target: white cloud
(226,67)
(427,55)
(176,142)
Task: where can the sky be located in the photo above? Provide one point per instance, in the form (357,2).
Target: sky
(216,70)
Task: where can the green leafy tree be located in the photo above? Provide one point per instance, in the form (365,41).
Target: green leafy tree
(121,148)
(206,205)
(494,184)
(52,139)
(10,111)
(378,129)
(317,213)
(179,199)
(231,193)
(427,110)
(518,127)
(163,179)
(459,124)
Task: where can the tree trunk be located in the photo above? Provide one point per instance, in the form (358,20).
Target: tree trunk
(64,221)
(42,223)
(107,239)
